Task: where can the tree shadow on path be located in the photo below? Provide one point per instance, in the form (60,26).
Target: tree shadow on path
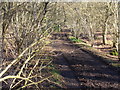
(87,70)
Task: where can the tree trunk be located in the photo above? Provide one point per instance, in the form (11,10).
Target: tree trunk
(104,35)
(119,50)
(119,30)
(3,33)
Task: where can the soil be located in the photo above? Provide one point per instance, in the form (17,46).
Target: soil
(80,69)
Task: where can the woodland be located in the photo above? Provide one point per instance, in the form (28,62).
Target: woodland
(27,27)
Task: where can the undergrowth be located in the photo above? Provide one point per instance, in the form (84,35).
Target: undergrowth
(74,39)
(57,78)
(89,48)
(114,52)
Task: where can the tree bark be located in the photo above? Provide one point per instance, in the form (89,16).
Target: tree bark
(105,34)
(119,30)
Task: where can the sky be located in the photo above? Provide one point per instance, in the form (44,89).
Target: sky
(58,0)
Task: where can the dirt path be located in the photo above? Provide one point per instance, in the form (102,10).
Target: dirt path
(79,69)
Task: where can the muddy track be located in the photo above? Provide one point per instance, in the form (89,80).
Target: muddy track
(81,69)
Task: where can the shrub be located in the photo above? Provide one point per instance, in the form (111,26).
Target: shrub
(114,52)
(73,39)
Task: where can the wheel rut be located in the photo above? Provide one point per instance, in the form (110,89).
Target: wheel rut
(81,70)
